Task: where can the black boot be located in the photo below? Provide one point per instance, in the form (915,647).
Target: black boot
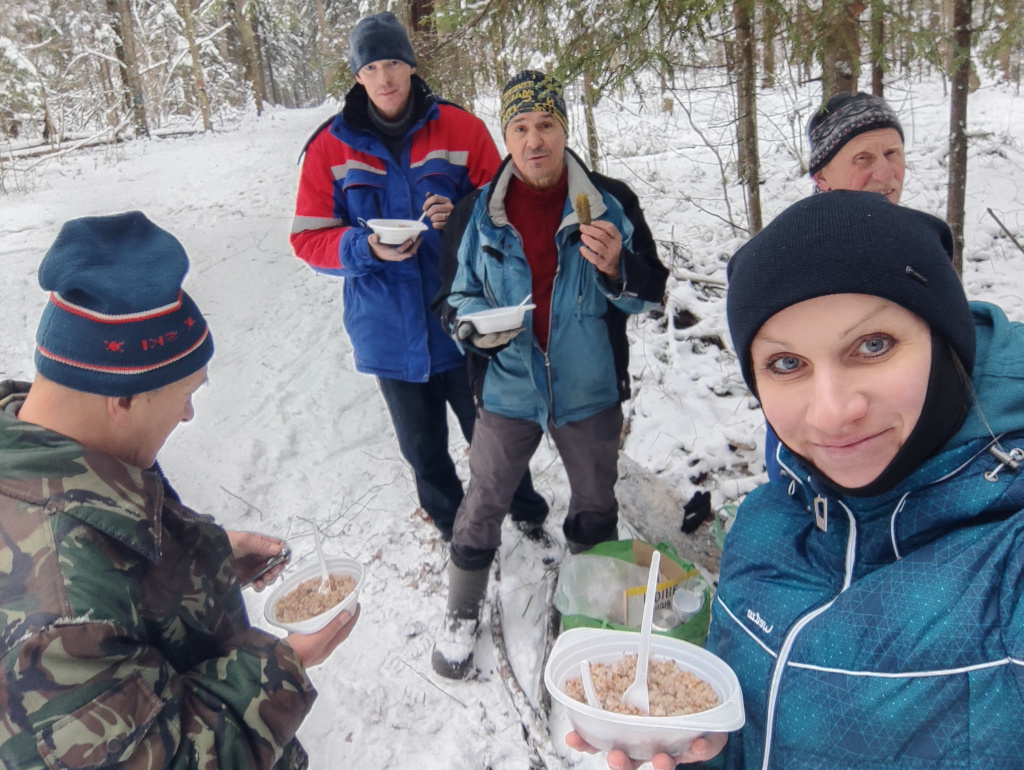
(453,651)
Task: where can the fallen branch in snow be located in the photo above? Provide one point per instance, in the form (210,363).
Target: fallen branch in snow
(686,275)
(553,628)
(1003,228)
(237,497)
(430,681)
(536,732)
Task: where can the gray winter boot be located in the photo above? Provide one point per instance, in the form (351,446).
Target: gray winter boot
(453,651)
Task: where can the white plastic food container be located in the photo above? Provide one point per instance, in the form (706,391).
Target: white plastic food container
(641,737)
(394,232)
(337,565)
(498,319)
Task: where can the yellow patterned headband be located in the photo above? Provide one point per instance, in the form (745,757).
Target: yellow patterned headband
(532,91)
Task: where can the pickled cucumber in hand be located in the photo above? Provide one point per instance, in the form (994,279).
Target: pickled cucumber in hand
(583,209)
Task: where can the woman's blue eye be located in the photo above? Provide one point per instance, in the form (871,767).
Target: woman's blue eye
(785,364)
(875,346)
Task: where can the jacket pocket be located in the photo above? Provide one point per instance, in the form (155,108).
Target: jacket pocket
(366,196)
(440,179)
(103,732)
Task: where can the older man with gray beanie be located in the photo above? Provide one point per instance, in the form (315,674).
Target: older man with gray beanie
(393,152)
(857,144)
(126,640)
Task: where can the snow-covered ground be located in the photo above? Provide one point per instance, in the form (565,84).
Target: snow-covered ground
(287,433)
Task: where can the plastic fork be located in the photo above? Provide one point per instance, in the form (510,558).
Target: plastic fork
(636,694)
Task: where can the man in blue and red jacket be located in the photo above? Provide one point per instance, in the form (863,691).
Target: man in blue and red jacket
(396,150)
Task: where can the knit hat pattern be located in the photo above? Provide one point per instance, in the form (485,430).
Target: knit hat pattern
(376,38)
(118,322)
(532,91)
(846,242)
(842,118)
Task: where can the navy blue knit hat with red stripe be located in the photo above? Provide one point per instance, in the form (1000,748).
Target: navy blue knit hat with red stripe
(118,322)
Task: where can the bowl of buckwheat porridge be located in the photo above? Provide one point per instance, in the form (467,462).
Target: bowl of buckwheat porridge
(692,691)
(298,605)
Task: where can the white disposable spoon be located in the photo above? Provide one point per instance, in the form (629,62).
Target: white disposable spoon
(588,685)
(424,210)
(325,583)
(636,694)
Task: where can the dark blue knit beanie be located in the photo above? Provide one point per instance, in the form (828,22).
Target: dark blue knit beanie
(845,242)
(118,322)
(378,37)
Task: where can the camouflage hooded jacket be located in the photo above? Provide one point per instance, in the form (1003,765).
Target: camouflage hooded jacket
(124,641)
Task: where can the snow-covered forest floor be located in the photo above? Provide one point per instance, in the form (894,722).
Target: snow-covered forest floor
(287,433)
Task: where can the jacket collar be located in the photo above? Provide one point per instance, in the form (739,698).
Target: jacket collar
(45,469)
(581,180)
(960,487)
(355,112)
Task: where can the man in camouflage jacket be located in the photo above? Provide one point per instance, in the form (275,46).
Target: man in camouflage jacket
(124,639)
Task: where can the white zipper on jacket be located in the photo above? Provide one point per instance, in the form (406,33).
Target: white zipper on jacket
(790,640)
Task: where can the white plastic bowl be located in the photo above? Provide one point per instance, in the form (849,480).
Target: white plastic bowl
(337,565)
(498,319)
(641,737)
(396,231)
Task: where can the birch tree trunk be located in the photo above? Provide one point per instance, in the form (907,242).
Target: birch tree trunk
(588,110)
(185,9)
(326,58)
(746,103)
(247,43)
(124,49)
(957,190)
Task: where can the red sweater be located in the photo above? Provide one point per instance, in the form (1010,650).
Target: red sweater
(536,215)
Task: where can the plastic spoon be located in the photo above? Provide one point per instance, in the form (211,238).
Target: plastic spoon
(636,694)
(325,583)
(424,210)
(588,685)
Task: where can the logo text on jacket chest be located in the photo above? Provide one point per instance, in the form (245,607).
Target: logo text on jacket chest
(757,620)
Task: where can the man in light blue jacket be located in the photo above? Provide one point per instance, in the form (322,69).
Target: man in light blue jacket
(577,245)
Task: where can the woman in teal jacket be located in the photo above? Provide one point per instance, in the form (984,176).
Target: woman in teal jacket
(870,600)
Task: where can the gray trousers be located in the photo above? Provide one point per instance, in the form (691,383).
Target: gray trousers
(499,455)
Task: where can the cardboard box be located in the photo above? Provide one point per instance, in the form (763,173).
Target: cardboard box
(670,575)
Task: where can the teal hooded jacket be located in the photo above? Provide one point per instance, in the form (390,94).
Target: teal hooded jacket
(586,366)
(888,632)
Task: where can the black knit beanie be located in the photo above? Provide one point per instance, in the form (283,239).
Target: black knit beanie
(848,242)
(379,37)
(843,117)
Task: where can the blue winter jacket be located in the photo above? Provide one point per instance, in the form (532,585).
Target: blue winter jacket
(349,176)
(585,368)
(888,632)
